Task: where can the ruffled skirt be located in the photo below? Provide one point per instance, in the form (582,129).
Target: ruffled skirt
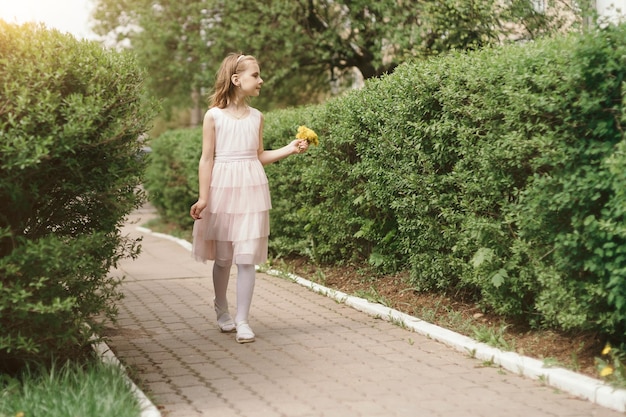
(235,224)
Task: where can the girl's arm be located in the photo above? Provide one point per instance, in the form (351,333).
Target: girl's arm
(268,157)
(205,166)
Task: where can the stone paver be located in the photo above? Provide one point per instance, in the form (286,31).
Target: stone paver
(312,356)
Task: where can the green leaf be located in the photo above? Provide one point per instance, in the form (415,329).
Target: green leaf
(499,277)
(482,255)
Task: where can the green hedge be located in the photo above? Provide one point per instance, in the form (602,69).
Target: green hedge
(495,174)
(172,174)
(71,114)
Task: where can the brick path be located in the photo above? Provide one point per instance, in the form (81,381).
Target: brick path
(312,357)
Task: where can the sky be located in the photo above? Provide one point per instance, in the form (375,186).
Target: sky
(65,15)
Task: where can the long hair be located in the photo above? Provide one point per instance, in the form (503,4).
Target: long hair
(224,90)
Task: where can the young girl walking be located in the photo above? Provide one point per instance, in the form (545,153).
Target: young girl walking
(232,212)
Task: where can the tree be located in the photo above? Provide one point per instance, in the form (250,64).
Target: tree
(169,38)
(304,44)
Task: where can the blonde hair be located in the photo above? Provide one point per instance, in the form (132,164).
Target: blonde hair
(224,90)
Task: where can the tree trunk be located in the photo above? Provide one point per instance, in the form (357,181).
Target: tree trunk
(195,118)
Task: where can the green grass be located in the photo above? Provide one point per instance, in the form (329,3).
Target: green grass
(372,296)
(493,337)
(94,389)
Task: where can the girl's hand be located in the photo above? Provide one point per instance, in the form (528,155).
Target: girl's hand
(197,208)
(300,145)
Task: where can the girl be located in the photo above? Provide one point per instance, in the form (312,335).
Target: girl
(232,212)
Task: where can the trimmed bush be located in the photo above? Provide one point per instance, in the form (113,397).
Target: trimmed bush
(497,175)
(172,174)
(71,114)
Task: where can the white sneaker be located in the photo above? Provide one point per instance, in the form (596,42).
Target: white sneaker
(244,333)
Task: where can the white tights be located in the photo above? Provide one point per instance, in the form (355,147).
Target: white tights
(245,287)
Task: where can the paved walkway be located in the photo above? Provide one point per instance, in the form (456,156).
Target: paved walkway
(312,357)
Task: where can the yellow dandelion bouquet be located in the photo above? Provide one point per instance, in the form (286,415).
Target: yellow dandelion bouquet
(304,133)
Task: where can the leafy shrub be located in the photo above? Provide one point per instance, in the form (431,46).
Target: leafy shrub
(572,209)
(172,174)
(71,114)
(315,192)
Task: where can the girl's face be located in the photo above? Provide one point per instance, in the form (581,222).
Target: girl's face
(250,80)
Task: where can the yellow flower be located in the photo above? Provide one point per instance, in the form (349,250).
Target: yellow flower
(606,349)
(307,134)
(606,371)
(20,414)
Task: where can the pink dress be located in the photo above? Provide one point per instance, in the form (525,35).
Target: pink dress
(237,213)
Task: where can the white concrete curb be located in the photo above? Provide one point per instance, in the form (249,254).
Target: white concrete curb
(182,242)
(148,409)
(571,382)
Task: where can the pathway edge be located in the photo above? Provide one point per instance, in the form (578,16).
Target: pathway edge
(148,409)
